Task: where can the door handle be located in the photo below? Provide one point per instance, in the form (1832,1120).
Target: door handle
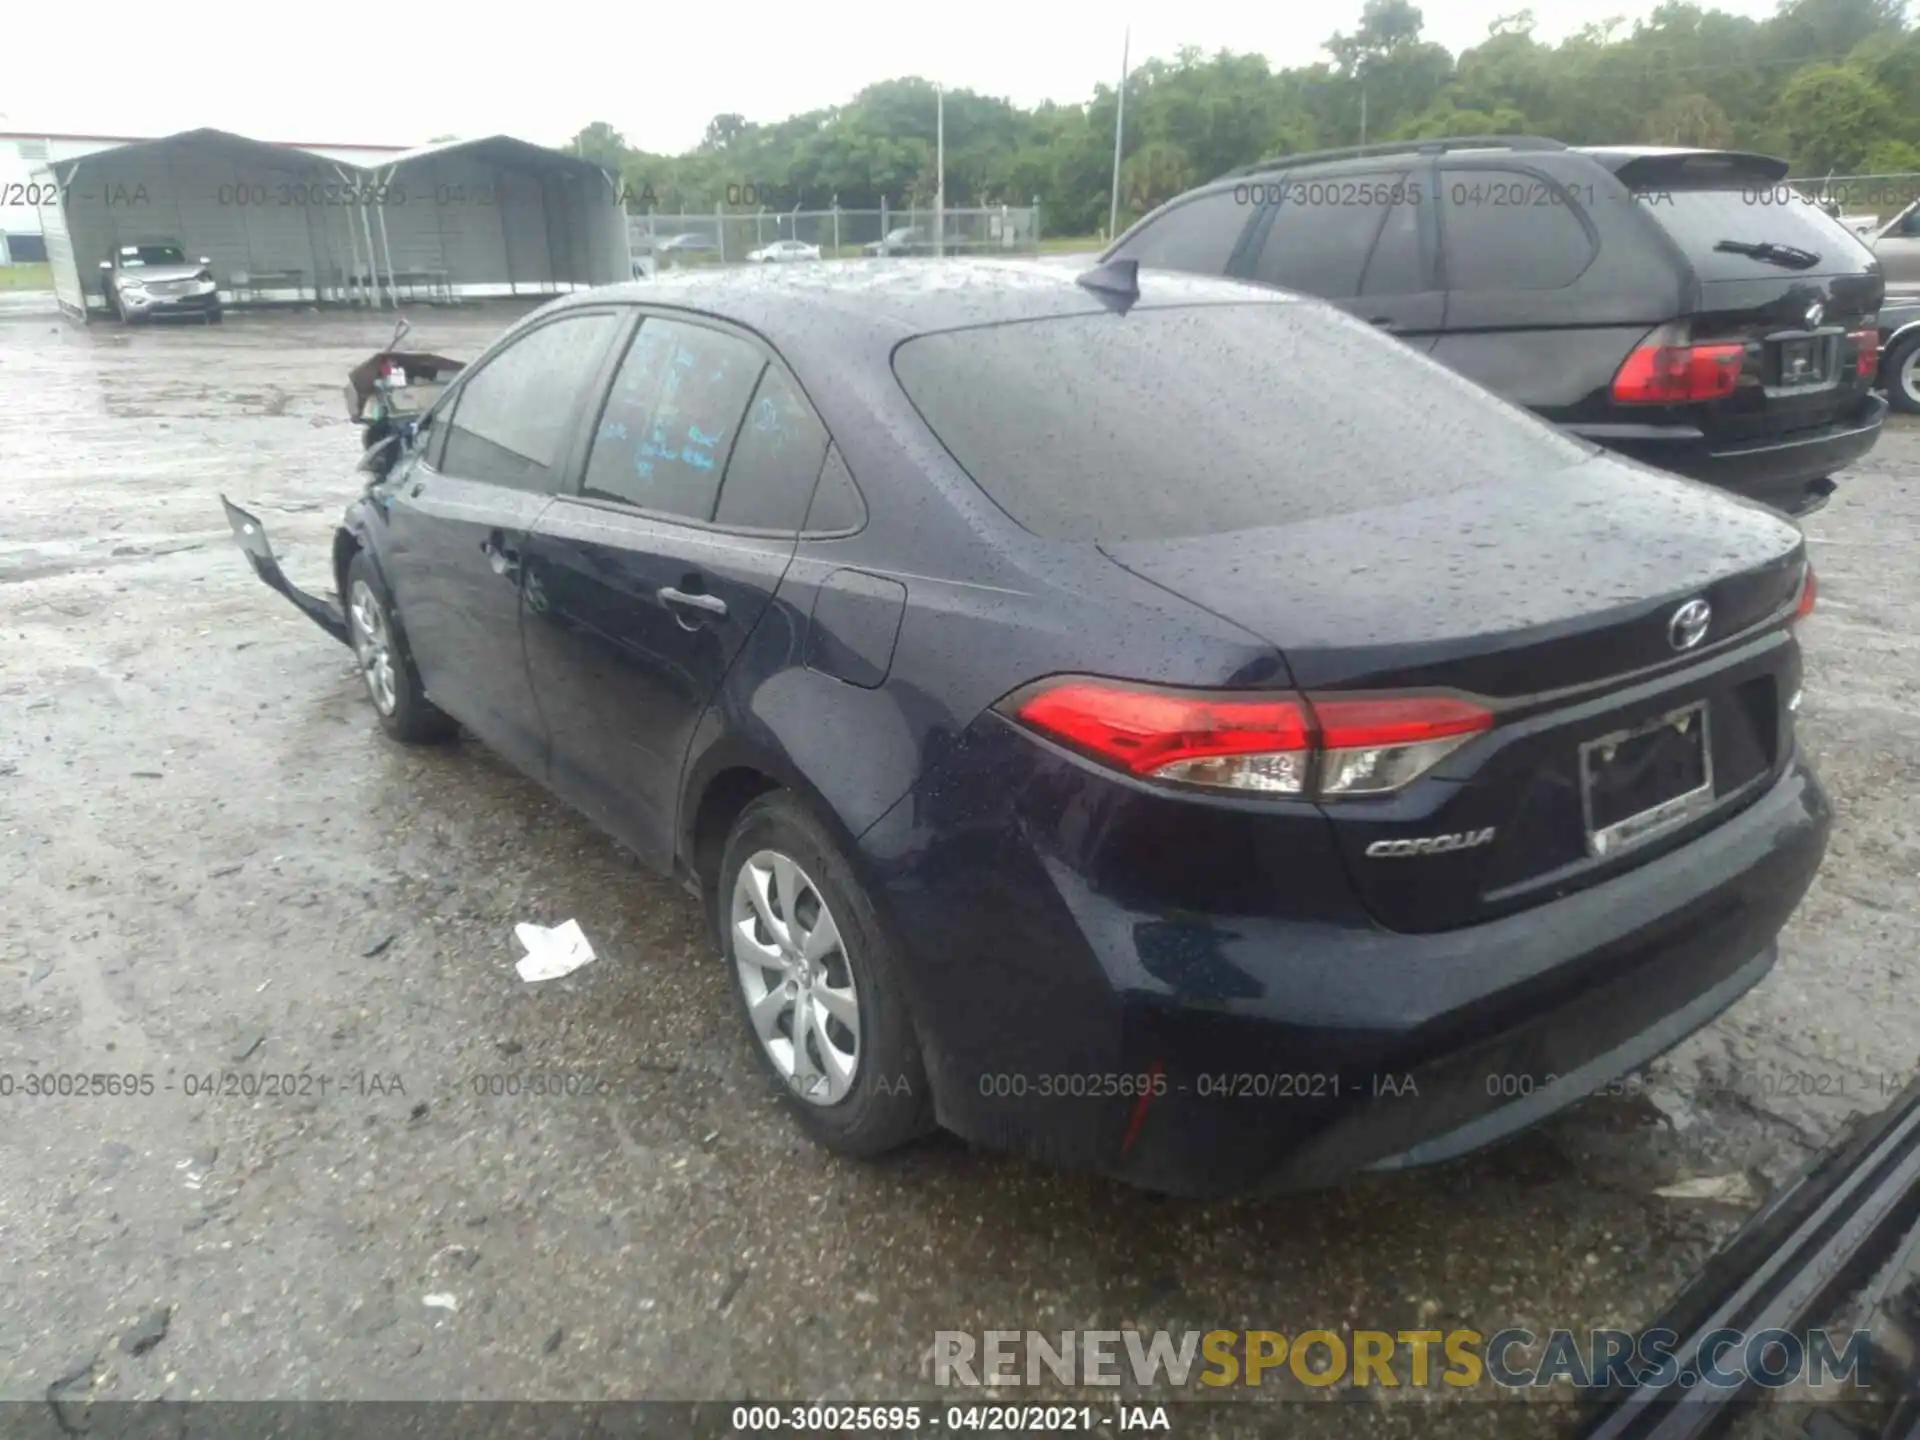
(504,559)
(712,604)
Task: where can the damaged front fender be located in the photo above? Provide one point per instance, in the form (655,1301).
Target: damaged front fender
(252,537)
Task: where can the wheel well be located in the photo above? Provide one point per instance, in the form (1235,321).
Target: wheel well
(345,547)
(726,795)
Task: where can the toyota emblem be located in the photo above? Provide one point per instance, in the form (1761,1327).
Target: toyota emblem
(1688,627)
(1814,313)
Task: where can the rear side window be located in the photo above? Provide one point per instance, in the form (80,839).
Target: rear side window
(671,418)
(1206,419)
(1505,229)
(1323,231)
(510,423)
(1700,219)
(775,461)
(1198,236)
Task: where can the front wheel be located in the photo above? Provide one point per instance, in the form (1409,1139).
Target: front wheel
(386,664)
(1900,373)
(818,983)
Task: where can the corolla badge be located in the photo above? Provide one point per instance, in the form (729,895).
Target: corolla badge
(1688,627)
(1429,844)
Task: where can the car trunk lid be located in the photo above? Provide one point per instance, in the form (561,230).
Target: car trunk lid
(1554,604)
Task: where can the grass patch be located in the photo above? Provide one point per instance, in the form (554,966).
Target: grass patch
(33,275)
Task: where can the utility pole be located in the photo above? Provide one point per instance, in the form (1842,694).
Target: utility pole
(1363,114)
(940,169)
(1119,127)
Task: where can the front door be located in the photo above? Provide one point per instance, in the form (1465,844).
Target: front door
(643,587)
(459,520)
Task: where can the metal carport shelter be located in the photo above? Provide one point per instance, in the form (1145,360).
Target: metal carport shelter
(496,216)
(255,210)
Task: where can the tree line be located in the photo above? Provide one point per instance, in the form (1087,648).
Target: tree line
(1832,85)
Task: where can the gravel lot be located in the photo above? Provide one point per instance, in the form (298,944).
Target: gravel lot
(214,864)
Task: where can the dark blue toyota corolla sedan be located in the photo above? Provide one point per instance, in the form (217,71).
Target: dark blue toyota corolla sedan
(1157,724)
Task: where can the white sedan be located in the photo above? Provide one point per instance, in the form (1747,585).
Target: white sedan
(784,250)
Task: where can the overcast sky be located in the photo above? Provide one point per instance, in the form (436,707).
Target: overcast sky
(658,73)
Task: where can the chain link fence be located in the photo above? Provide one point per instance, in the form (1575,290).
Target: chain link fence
(666,241)
(1866,202)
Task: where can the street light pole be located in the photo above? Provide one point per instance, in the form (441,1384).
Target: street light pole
(1119,127)
(940,169)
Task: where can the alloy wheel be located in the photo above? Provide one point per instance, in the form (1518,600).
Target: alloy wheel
(373,644)
(795,977)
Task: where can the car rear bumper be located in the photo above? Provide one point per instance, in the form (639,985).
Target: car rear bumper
(1205,1054)
(1781,471)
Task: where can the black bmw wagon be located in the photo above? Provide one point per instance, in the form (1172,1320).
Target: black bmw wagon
(1686,307)
(1093,722)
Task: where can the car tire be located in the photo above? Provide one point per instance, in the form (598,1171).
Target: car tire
(1900,375)
(881,1100)
(386,664)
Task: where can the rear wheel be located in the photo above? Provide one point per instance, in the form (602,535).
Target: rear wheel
(386,665)
(1900,372)
(215,315)
(818,983)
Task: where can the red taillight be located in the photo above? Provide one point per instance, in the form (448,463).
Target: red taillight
(1667,369)
(1809,593)
(1151,733)
(1867,351)
(1359,745)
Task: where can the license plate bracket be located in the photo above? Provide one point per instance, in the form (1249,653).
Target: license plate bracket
(1804,361)
(1641,782)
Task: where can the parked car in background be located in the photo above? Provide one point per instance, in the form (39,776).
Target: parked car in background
(1642,297)
(689,242)
(1152,722)
(1897,246)
(901,240)
(784,250)
(1899,325)
(154,278)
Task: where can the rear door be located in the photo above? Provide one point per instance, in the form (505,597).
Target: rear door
(1363,241)
(644,582)
(459,519)
(1516,245)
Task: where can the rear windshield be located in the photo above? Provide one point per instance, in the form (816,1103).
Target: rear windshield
(1173,422)
(1762,212)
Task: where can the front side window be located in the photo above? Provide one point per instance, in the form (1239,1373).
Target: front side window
(512,419)
(1323,232)
(1198,236)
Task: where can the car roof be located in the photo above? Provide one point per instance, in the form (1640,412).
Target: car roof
(885,301)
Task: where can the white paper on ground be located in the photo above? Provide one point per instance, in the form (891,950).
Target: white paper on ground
(1734,1189)
(551,953)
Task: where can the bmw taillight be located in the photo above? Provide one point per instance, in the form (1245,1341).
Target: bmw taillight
(1866,351)
(1668,369)
(1809,594)
(1322,747)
